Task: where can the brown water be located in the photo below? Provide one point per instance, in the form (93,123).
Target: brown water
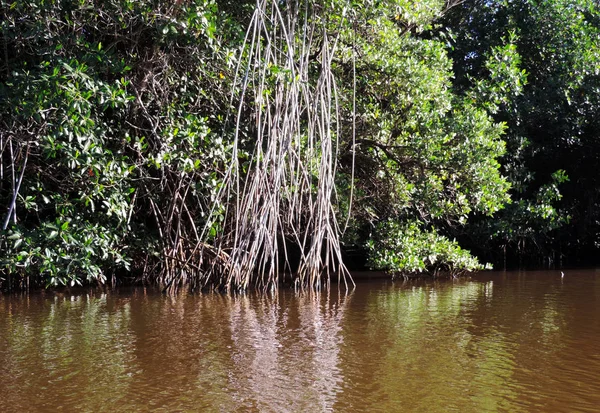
(509,342)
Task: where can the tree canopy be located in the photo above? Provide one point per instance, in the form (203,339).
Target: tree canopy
(552,125)
(224,144)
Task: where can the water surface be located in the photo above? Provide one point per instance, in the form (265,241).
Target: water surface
(495,342)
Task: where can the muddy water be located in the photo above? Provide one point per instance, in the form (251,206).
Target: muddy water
(508,342)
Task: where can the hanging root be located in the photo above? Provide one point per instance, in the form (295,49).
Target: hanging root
(286,191)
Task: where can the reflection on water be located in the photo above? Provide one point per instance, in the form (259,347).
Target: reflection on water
(515,342)
(427,353)
(52,351)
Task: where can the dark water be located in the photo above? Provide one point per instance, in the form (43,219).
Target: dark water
(507,342)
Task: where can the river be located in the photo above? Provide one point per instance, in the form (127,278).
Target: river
(493,342)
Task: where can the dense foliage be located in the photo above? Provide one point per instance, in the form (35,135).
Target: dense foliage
(552,126)
(425,157)
(122,120)
(110,128)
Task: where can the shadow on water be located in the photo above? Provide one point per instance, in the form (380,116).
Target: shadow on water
(497,342)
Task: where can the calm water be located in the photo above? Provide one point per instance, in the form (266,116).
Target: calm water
(510,342)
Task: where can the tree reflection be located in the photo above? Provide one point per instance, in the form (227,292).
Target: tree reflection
(508,343)
(288,352)
(73,345)
(422,348)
